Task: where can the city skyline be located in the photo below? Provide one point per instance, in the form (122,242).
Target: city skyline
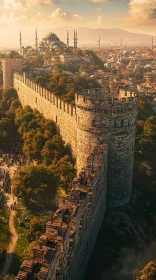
(15,15)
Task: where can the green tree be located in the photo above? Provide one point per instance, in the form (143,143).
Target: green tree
(36,185)
(67,172)
(53,149)
(13,54)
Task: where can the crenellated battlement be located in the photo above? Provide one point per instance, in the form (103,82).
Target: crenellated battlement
(99,96)
(97,118)
(71,226)
(42,92)
(100,131)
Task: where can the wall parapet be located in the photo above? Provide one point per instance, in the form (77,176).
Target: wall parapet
(71,224)
(105,116)
(49,96)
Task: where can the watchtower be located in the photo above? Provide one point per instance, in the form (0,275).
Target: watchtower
(10,65)
(111,121)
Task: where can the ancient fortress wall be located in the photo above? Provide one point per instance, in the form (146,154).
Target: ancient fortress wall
(100,130)
(50,106)
(9,66)
(101,119)
(100,116)
(64,250)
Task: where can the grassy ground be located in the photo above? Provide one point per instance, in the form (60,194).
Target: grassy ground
(4,229)
(4,232)
(22,222)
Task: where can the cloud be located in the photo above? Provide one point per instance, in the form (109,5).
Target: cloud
(103,1)
(31,3)
(98,23)
(19,4)
(64,16)
(11,18)
(58,14)
(142,9)
(141,17)
(13,4)
(76,17)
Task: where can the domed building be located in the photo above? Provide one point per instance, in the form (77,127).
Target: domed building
(51,42)
(48,43)
(126,53)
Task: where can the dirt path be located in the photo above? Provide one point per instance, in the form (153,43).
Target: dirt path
(14,236)
(12,245)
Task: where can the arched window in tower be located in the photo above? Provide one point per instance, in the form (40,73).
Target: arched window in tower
(122,123)
(56,119)
(115,125)
(36,99)
(128,123)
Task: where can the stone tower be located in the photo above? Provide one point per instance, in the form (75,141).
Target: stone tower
(112,121)
(10,65)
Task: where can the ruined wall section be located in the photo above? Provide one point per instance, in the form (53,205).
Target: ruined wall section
(50,106)
(64,250)
(97,194)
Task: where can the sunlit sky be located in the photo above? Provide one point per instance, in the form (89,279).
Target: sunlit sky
(26,15)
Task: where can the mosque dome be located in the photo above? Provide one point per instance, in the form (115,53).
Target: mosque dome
(125,53)
(51,37)
(133,52)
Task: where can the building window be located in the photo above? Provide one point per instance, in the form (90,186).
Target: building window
(56,119)
(36,99)
(128,123)
(122,123)
(115,124)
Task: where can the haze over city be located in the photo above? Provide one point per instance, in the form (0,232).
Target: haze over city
(132,15)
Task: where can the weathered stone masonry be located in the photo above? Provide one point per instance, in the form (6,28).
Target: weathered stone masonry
(100,130)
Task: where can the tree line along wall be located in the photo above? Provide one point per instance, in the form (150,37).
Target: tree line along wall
(101,131)
(100,116)
(96,119)
(50,106)
(64,249)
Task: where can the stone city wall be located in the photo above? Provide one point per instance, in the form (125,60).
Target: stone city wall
(100,130)
(50,106)
(63,251)
(9,66)
(101,119)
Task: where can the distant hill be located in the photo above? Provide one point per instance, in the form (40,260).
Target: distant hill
(108,36)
